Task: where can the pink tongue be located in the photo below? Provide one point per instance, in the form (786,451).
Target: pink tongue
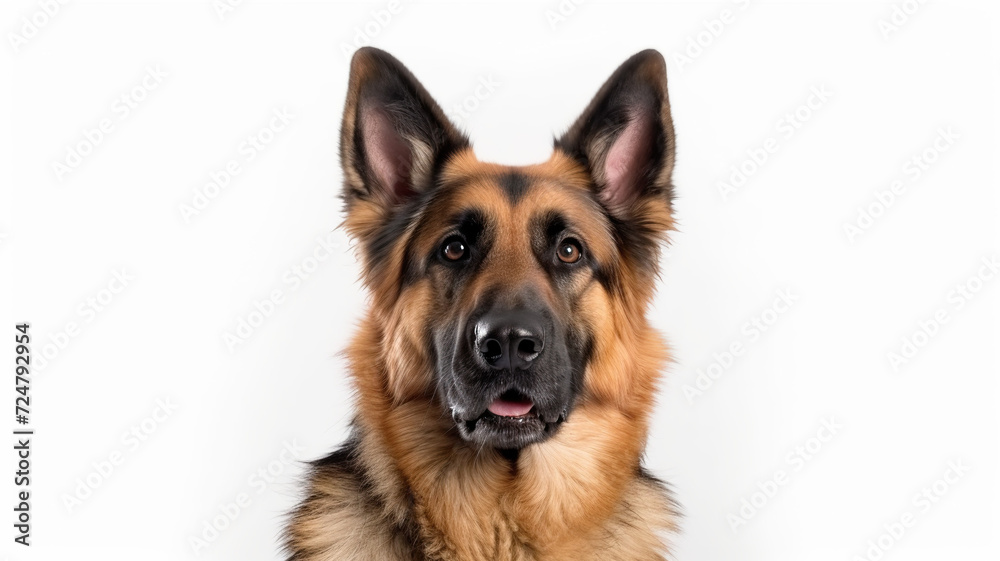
(504,408)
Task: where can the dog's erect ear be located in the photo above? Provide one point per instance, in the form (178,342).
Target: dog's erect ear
(625,137)
(393,134)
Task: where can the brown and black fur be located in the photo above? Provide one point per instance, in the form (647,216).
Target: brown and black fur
(413,482)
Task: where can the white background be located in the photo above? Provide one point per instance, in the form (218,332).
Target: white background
(825,358)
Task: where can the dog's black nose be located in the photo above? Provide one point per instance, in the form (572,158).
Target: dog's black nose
(508,340)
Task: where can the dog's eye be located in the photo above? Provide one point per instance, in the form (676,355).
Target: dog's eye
(454,249)
(570,251)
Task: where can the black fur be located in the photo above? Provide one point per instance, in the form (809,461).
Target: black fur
(514,185)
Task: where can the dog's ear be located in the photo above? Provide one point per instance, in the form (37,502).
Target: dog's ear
(393,134)
(625,137)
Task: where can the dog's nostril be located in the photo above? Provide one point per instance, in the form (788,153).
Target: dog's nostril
(527,349)
(491,350)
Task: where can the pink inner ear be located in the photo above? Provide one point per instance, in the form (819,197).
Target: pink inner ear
(387,154)
(627,161)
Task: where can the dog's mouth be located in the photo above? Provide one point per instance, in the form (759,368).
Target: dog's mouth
(512,404)
(511,421)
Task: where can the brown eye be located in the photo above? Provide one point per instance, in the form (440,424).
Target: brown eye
(453,249)
(569,251)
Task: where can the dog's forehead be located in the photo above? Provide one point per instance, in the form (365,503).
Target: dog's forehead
(514,196)
(517,194)
(515,181)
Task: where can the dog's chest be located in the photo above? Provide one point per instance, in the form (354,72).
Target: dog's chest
(448,535)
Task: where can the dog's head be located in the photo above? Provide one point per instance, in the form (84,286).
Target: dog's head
(506,295)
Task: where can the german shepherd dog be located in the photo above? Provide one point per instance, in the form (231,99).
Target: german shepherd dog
(505,369)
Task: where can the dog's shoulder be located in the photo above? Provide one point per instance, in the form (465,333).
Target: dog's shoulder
(343,517)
